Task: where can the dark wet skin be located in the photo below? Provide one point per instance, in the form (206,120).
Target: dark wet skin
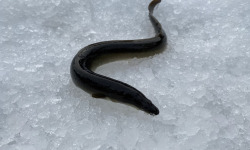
(100,86)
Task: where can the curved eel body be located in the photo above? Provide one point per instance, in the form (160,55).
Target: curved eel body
(101,86)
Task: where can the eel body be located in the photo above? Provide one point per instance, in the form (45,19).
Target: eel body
(100,86)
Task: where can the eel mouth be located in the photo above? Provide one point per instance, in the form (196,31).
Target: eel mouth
(154,111)
(151,109)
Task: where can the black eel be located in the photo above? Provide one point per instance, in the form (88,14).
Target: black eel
(101,86)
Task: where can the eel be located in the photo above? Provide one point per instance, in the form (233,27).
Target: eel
(100,86)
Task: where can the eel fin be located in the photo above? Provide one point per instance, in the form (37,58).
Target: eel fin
(98,95)
(115,101)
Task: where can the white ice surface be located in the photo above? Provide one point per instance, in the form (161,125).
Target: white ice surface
(201,82)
